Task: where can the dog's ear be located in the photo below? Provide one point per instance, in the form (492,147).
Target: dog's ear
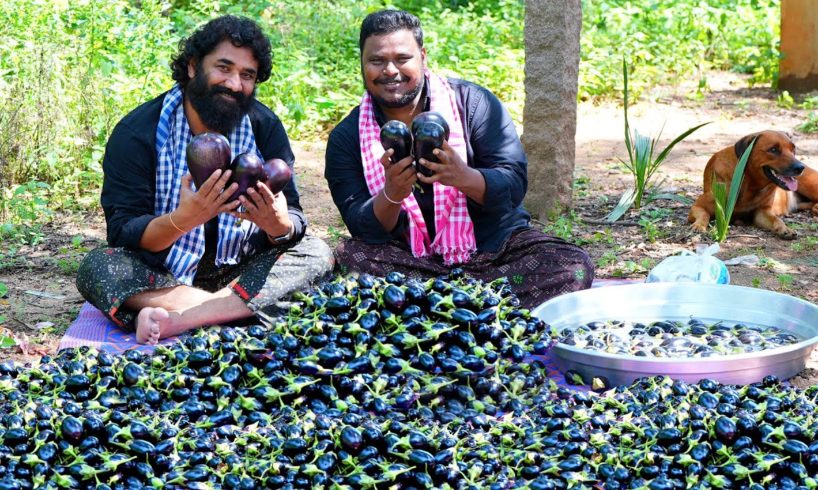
(742,144)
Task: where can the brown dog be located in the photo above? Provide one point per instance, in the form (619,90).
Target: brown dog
(775,184)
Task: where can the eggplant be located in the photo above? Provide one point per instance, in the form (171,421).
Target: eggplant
(247,169)
(428,136)
(71,429)
(395,135)
(206,153)
(277,174)
(437,118)
(351,439)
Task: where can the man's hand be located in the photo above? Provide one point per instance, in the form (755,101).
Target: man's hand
(400,176)
(454,172)
(200,206)
(267,210)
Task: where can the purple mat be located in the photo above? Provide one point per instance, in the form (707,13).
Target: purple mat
(91,328)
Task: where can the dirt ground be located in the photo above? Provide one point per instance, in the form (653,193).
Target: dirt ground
(42,300)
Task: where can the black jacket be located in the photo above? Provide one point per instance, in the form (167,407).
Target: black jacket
(492,147)
(129,183)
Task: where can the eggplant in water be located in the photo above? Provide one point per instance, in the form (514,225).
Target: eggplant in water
(206,153)
(395,135)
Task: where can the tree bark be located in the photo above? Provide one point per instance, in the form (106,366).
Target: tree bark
(798,68)
(552,30)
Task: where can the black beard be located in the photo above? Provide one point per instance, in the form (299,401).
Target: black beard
(217,113)
(405,100)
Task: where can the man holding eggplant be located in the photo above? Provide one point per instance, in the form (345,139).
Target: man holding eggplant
(456,202)
(180,255)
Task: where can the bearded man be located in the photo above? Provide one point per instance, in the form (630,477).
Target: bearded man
(468,212)
(181,257)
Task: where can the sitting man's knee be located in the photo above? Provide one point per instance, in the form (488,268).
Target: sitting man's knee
(322,255)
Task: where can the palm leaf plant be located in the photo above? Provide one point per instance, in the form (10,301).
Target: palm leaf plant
(644,159)
(725,203)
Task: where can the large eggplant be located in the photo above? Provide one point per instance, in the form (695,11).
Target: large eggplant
(247,169)
(428,135)
(395,135)
(432,116)
(206,153)
(277,174)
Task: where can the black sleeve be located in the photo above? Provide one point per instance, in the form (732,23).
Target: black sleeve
(128,186)
(272,141)
(345,175)
(498,154)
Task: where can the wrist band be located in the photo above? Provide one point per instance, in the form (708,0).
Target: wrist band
(170,216)
(387,197)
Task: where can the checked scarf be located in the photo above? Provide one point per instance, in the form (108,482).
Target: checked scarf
(172,137)
(454,239)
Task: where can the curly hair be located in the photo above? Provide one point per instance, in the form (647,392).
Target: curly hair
(389,21)
(241,31)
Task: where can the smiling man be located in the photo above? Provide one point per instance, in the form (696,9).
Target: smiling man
(468,212)
(181,257)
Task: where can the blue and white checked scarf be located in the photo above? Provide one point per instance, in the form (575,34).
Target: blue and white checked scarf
(172,137)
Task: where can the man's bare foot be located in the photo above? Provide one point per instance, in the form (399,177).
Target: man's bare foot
(150,323)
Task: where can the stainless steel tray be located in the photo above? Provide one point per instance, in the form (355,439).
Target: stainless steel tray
(680,301)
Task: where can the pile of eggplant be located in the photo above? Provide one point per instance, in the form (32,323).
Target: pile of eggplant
(391,382)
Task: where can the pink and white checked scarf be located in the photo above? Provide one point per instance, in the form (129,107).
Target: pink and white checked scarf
(455,231)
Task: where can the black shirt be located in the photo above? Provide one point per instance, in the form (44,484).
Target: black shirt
(129,182)
(492,147)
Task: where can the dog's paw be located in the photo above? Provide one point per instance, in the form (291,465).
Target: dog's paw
(698,227)
(787,234)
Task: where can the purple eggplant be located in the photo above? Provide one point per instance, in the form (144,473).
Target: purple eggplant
(277,174)
(206,153)
(428,136)
(434,117)
(395,135)
(247,169)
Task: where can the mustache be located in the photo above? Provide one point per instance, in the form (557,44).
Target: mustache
(238,96)
(398,79)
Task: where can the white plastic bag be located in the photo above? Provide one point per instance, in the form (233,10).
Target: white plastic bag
(701,266)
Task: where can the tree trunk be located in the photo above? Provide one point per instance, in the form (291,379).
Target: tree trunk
(552,29)
(798,68)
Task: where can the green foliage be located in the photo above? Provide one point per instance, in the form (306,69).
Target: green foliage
(23,212)
(726,202)
(672,39)
(810,103)
(785,100)
(70,69)
(563,227)
(643,160)
(805,244)
(785,281)
(810,125)
(630,268)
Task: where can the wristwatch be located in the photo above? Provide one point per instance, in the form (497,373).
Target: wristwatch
(278,240)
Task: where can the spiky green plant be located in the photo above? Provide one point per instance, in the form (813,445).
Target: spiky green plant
(725,203)
(644,159)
